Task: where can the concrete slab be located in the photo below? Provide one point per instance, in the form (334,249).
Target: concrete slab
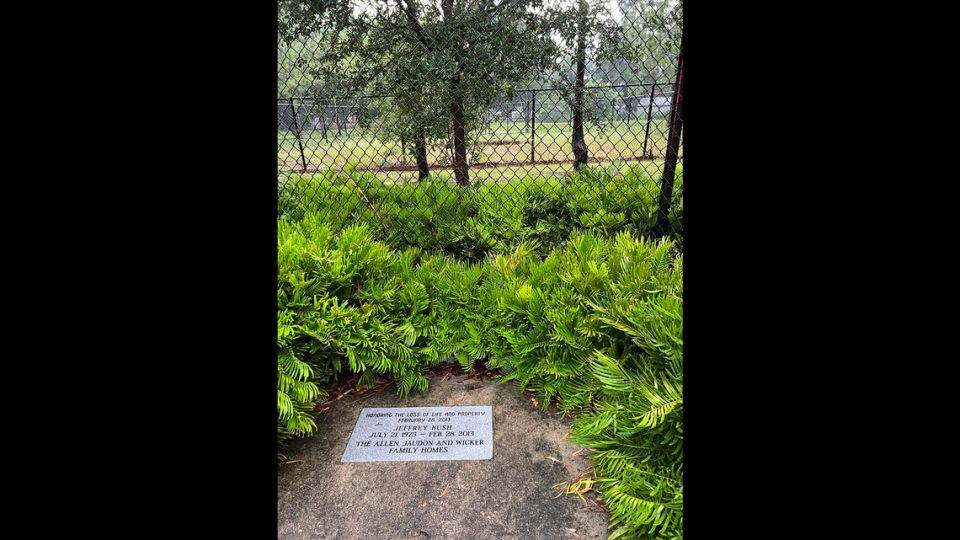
(507,497)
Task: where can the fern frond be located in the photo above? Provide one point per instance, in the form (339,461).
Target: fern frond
(610,373)
(284,405)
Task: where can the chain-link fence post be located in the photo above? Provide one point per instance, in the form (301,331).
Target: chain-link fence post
(296,127)
(673,147)
(646,133)
(533,128)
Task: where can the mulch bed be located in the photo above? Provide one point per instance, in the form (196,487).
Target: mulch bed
(347,385)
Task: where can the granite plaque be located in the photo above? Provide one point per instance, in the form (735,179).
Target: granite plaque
(422,434)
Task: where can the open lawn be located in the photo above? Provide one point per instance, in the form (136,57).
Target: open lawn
(506,145)
(653,168)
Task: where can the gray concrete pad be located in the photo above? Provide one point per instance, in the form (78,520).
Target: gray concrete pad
(507,497)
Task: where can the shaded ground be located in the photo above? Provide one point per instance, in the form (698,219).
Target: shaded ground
(508,497)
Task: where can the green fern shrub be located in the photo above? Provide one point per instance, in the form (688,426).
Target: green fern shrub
(347,303)
(296,388)
(598,326)
(542,320)
(486,217)
(637,423)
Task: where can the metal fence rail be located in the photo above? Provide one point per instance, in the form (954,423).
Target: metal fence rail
(481,94)
(623,114)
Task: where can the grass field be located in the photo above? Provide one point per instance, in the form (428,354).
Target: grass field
(653,168)
(507,145)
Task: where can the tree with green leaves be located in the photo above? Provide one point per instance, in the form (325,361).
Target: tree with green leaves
(439,66)
(652,30)
(587,32)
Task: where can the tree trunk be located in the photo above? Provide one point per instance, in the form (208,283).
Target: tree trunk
(423,168)
(460,169)
(580,154)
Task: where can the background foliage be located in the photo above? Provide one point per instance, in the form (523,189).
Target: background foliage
(486,217)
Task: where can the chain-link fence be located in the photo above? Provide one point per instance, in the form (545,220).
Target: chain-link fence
(433,120)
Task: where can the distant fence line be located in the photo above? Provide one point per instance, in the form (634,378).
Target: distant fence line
(341,114)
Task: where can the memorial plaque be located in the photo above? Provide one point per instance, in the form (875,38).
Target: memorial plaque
(422,434)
